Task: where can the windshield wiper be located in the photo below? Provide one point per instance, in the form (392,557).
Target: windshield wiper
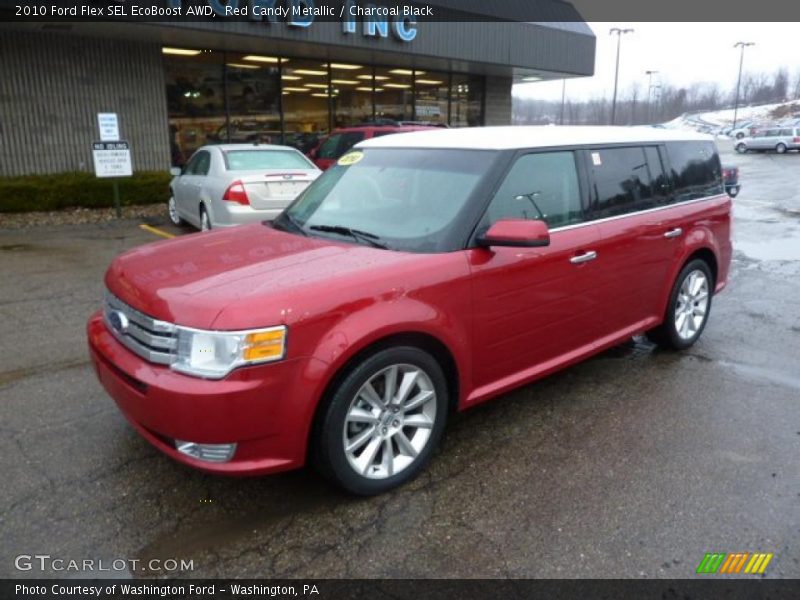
(291,221)
(360,236)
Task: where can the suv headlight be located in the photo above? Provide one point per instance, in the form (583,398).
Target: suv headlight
(214,354)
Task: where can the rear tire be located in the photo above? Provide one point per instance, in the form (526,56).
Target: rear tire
(382,422)
(172,210)
(205,220)
(688,308)
(781,148)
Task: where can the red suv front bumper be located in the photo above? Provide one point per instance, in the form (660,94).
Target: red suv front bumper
(266,410)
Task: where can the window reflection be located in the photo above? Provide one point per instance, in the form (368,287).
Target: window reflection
(431,97)
(305,99)
(466,101)
(394,97)
(195,102)
(253,86)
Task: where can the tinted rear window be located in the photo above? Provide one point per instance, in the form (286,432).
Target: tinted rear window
(696,171)
(621,181)
(339,143)
(253,160)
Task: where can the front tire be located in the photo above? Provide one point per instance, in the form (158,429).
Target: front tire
(688,308)
(383,421)
(741,148)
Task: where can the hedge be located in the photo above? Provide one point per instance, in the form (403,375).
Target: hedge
(79,189)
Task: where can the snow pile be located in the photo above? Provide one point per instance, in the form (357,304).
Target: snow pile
(714,121)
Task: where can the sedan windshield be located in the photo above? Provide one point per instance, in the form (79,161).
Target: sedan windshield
(252,160)
(407,199)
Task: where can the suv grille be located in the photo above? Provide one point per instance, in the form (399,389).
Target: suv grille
(150,338)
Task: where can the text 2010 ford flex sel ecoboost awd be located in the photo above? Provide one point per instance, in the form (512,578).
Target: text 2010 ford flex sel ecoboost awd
(424,273)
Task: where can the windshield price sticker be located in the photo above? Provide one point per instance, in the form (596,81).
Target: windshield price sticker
(351,158)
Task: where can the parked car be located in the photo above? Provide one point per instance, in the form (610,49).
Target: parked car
(424,273)
(730,177)
(743,130)
(231,184)
(779,139)
(334,146)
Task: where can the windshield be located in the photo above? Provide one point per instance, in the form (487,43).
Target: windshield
(252,160)
(406,199)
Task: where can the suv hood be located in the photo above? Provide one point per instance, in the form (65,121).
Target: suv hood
(191,280)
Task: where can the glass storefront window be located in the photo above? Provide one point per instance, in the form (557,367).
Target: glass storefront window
(254,87)
(305,99)
(235,97)
(394,96)
(466,100)
(351,90)
(195,101)
(430,102)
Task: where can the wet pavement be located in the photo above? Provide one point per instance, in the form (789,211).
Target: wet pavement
(633,464)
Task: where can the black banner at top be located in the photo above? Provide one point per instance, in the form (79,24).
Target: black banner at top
(304,13)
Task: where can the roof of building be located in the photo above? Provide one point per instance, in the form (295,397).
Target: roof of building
(507,138)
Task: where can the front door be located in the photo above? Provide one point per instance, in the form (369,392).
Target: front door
(534,306)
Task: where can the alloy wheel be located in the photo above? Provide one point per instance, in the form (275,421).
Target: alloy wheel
(691,305)
(389,421)
(173,211)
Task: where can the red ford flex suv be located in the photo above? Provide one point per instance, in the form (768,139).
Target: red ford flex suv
(423,273)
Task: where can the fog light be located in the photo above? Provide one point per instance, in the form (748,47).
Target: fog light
(217,453)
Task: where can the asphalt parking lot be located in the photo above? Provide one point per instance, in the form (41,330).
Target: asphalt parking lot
(633,464)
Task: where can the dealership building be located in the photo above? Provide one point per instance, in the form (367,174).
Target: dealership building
(176,85)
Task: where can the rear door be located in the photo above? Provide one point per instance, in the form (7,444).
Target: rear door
(534,306)
(637,242)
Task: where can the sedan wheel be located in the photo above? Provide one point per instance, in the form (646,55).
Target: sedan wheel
(382,421)
(780,148)
(173,212)
(205,221)
(741,148)
(688,309)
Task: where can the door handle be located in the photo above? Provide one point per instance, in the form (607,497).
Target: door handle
(673,233)
(583,258)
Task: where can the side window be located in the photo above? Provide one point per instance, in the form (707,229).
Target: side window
(203,164)
(191,165)
(658,174)
(621,181)
(696,170)
(348,140)
(786,132)
(546,181)
(328,147)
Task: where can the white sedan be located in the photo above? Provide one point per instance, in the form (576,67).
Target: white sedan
(231,184)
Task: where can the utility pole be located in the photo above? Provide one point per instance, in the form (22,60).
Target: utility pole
(563,98)
(741,45)
(619,32)
(649,90)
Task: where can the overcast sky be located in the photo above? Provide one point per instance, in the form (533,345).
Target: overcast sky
(683,53)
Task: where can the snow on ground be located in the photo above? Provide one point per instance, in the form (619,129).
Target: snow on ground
(710,122)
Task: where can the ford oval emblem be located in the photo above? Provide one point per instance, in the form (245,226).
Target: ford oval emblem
(118,321)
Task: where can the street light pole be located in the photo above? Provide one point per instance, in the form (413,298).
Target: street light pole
(620,33)
(649,90)
(741,45)
(563,98)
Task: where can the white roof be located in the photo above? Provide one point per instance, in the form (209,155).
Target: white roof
(512,137)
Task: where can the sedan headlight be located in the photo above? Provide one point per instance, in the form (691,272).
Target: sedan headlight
(214,354)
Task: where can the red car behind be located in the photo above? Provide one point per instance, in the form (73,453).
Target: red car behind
(424,273)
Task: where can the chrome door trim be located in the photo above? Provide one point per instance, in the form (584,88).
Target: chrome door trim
(633,214)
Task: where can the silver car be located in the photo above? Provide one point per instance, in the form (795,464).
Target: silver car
(231,184)
(780,139)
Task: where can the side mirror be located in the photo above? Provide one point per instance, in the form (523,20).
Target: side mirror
(175,171)
(516,233)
